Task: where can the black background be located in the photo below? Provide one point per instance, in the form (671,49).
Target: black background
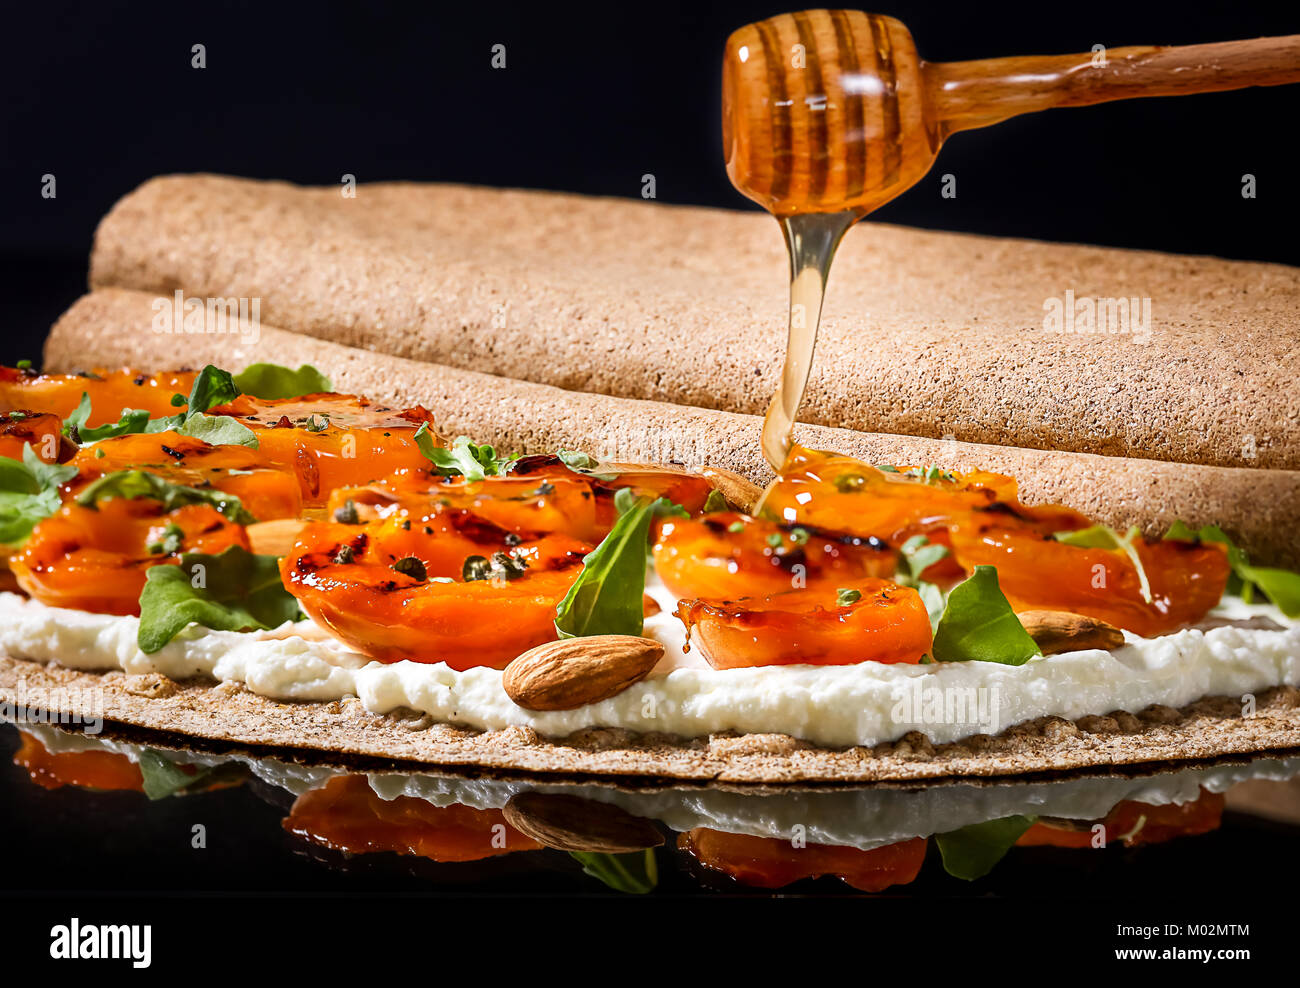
(103,96)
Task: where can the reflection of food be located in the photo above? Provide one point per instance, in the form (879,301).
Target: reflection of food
(770,862)
(91,769)
(1131,824)
(346,815)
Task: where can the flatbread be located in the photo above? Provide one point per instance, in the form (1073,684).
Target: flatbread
(1210,728)
(924,333)
(1260,509)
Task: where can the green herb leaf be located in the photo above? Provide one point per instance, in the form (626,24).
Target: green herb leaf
(462,458)
(218,430)
(979,625)
(132,420)
(846,597)
(163,778)
(29,493)
(585,464)
(172,538)
(919,553)
(606,598)
(716,501)
(212,387)
(234,591)
(1105,537)
(137,483)
(275,381)
(1280,586)
(972,852)
(636,873)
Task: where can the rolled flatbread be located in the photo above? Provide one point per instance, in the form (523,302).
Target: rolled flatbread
(925,334)
(1259,508)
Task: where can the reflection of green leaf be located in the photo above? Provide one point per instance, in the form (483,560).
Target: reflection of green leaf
(971,852)
(1105,537)
(636,873)
(979,625)
(163,778)
(234,591)
(139,483)
(275,381)
(1280,586)
(29,493)
(218,430)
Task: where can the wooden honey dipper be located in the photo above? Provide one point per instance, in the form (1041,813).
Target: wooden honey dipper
(853,117)
(829,114)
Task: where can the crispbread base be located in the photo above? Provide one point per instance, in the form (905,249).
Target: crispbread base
(1211,728)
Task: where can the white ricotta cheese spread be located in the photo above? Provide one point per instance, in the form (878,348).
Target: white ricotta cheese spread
(836,706)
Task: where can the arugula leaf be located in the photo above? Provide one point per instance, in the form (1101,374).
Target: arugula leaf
(137,483)
(29,493)
(716,501)
(635,873)
(163,777)
(74,426)
(583,463)
(917,554)
(1105,537)
(218,430)
(606,598)
(920,553)
(173,537)
(274,381)
(972,851)
(235,591)
(462,458)
(1280,586)
(979,625)
(212,387)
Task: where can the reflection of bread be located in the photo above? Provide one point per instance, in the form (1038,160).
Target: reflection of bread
(1258,507)
(1207,729)
(926,334)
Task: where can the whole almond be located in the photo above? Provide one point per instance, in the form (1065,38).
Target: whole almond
(571,823)
(572,672)
(1062,631)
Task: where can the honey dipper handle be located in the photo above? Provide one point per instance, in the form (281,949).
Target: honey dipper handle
(963,95)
